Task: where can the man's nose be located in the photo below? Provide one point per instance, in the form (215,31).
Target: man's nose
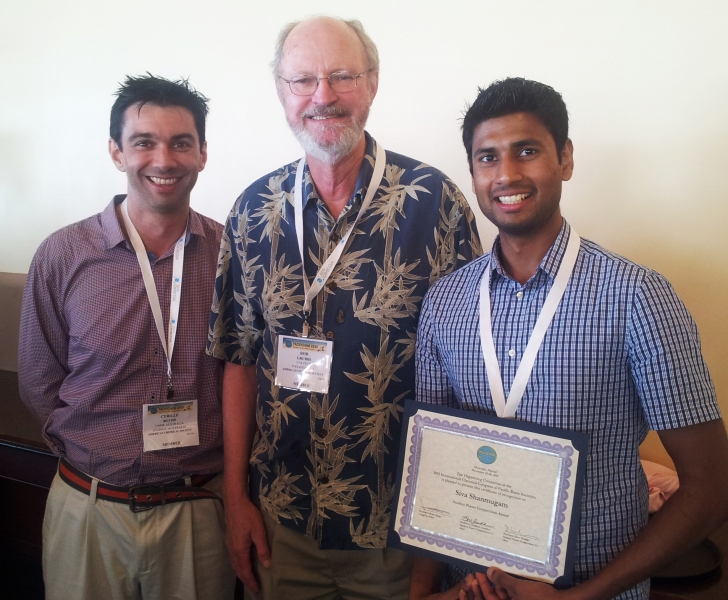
(324,94)
(164,157)
(508,170)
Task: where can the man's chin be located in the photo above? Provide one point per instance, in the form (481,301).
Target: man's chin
(329,152)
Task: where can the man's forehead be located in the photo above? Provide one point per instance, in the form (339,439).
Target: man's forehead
(512,128)
(152,119)
(323,43)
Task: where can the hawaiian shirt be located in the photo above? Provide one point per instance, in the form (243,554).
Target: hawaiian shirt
(323,464)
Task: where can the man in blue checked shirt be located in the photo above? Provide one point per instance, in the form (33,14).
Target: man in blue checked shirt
(620,356)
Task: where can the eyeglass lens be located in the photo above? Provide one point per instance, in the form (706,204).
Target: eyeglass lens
(339,82)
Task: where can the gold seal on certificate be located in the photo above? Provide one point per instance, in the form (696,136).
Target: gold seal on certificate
(483,491)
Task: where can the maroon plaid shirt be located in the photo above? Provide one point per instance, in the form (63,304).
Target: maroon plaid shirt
(90,355)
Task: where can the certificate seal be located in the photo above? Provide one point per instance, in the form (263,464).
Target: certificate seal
(487,455)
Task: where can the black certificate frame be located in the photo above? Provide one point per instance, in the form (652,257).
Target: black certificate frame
(399,533)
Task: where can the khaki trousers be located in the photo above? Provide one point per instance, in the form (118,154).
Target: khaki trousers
(301,571)
(95,549)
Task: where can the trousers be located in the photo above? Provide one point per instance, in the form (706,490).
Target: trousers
(94,548)
(302,571)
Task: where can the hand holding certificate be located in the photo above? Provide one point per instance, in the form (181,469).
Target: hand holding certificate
(482,491)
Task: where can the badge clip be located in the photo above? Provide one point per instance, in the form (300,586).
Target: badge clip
(305,330)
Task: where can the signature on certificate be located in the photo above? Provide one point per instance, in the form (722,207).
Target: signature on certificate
(471,521)
(517,533)
(427,505)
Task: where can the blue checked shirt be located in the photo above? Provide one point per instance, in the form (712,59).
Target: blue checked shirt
(622,356)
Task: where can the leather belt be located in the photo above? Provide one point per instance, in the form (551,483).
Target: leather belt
(140,497)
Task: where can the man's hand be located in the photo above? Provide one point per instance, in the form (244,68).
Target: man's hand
(506,587)
(465,590)
(245,530)
(427,576)
(245,527)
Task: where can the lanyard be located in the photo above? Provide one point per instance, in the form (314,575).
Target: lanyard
(508,409)
(146,268)
(327,268)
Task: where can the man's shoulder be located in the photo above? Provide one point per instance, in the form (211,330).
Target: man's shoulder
(461,282)
(210,227)
(416,167)
(84,234)
(266,187)
(627,282)
(608,264)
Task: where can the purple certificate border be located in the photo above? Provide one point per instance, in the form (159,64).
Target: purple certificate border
(406,530)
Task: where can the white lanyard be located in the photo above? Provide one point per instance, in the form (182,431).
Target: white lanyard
(508,409)
(327,268)
(146,268)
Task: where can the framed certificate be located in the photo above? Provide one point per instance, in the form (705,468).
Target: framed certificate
(480,491)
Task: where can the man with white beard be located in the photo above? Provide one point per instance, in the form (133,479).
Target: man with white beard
(322,271)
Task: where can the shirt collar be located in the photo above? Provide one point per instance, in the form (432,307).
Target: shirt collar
(113,235)
(365,175)
(110,228)
(550,263)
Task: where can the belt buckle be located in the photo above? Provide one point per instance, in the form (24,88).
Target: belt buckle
(150,490)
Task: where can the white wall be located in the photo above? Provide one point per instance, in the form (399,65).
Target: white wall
(645,83)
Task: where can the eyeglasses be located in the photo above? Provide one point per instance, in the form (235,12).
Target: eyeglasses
(306,85)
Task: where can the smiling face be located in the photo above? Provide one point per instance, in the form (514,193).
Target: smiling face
(161,156)
(517,174)
(328,124)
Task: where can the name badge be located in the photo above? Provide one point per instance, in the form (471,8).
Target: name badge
(304,364)
(170,425)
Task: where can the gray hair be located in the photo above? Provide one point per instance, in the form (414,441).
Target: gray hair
(370,48)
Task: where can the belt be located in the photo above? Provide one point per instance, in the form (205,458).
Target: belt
(140,497)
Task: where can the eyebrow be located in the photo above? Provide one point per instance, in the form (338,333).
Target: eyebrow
(518,144)
(151,136)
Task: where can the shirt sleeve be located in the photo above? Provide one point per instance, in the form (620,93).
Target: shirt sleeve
(463,221)
(667,364)
(456,235)
(236,328)
(43,343)
(433,384)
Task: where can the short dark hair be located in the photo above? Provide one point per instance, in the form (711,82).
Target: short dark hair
(157,91)
(514,95)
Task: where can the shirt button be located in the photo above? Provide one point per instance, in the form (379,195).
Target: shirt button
(323,479)
(340,316)
(329,335)
(153,396)
(519,295)
(331,285)
(511,353)
(322,433)
(156,352)
(335,238)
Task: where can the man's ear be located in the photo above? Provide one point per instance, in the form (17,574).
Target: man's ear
(203,155)
(117,156)
(567,160)
(280,92)
(373,85)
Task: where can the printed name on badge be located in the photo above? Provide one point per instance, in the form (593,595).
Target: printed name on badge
(304,364)
(170,425)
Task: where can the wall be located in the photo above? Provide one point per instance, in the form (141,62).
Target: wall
(644,81)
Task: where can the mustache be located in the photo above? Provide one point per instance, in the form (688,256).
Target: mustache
(327,111)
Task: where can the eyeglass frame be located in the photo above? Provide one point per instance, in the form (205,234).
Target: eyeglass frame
(327,78)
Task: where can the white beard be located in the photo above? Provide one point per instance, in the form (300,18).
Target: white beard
(330,152)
